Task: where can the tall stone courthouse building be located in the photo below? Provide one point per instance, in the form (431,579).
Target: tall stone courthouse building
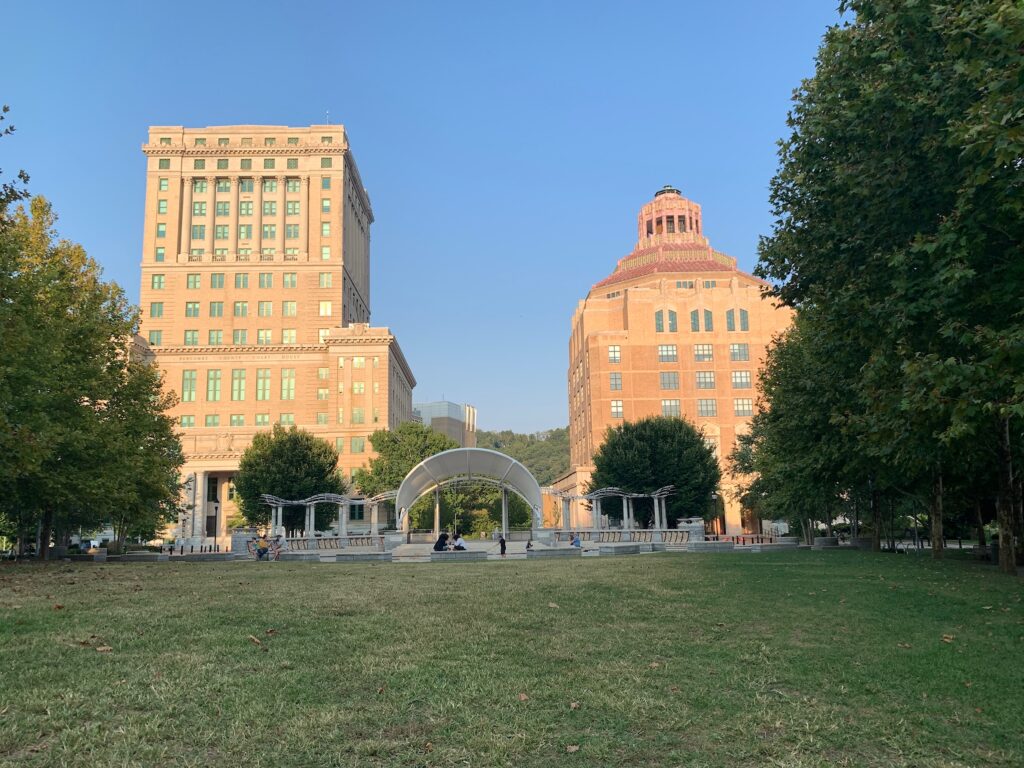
(675,330)
(256,299)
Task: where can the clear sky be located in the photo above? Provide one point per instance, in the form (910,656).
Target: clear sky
(506,148)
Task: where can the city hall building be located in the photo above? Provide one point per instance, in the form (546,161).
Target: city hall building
(675,330)
(256,300)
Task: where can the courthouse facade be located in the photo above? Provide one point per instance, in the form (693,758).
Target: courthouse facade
(256,300)
(675,330)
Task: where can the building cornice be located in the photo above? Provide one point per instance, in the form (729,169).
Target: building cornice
(171,150)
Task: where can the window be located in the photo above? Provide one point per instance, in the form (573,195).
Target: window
(707,408)
(710,283)
(191,309)
(287,383)
(292,163)
(187,421)
(326,162)
(269,231)
(268,163)
(325,252)
(684,283)
(358,387)
(614,353)
(293,141)
(288,336)
(705,379)
(245,164)
(212,420)
(326,279)
(198,231)
(198,164)
(667,353)
(291,208)
(264,336)
(245,208)
(730,319)
(223,208)
(165,141)
(161,230)
(289,279)
(287,419)
(741,380)
(269,208)
(216,337)
(245,231)
(164,164)
(321,417)
(695,320)
(220,232)
(240,337)
(323,374)
(616,409)
(200,142)
(659,321)
(193,280)
(262,419)
(270,185)
(358,362)
(325,229)
(289,308)
(670,408)
(156,282)
(238,384)
(291,231)
(358,444)
(325,309)
(191,338)
(223,142)
(199,186)
(290,252)
(339,444)
(266,279)
(217,280)
(269,142)
(156,309)
(247,141)
(161,206)
(326,139)
(241,309)
(703,353)
(222,164)
(213,385)
(237,420)
(197,252)
(241,280)
(739,352)
(322,334)
(669,379)
(262,383)
(265,308)
(743,406)
(708,321)
(156,338)
(744,320)
(323,393)
(341,411)
(615,381)
(325,205)
(159,255)
(358,416)
(216,309)
(672,324)
(188,386)
(325,182)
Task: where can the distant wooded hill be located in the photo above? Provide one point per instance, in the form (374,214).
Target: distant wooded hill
(545,454)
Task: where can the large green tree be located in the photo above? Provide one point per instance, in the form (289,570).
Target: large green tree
(899,217)
(290,464)
(546,455)
(643,456)
(398,451)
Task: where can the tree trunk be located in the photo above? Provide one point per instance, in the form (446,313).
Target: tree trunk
(876,522)
(45,531)
(1004,502)
(938,540)
(981,522)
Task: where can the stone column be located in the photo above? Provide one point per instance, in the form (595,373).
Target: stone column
(373,519)
(257,218)
(596,512)
(199,510)
(281,218)
(211,215)
(504,511)
(304,214)
(565,514)
(185,230)
(341,508)
(233,218)
(406,523)
(437,511)
(311,517)
(344,519)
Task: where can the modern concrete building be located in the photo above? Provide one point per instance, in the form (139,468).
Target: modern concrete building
(675,330)
(456,420)
(256,299)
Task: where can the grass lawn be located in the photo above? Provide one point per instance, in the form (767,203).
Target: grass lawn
(784,659)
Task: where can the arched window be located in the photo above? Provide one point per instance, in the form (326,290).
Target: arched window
(730,319)
(744,320)
(708,321)
(659,322)
(695,320)
(672,325)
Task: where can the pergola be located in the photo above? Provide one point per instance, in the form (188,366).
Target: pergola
(277,506)
(628,519)
(468,465)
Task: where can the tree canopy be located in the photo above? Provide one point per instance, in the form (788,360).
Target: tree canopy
(398,451)
(546,455)
(643,456)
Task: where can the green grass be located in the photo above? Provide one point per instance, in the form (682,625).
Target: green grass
(785,659)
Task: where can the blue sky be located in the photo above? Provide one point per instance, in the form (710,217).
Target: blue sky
(506,147)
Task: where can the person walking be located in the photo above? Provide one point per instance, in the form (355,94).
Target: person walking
(501,543)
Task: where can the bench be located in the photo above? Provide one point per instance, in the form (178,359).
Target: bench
(454,556)
(560,552)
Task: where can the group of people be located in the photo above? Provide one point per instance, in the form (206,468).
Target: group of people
(269,550)
(456,544)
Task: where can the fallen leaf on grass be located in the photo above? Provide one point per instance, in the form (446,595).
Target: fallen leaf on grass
(58,607)
(673,689)
(104,649)
(255,639)
(904,645)
(948,638)
(552,605)
(968,683)
(428,747)
(380,691)
(653,665)
(523,697)
(572,748)
(271,631)
(574,705)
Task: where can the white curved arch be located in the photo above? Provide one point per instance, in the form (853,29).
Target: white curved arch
(467,464)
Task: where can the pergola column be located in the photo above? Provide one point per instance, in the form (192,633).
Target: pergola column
(565,514)
(437,510)
(373,518)
(595,512)
(504,511)
(310,520)
(405,520)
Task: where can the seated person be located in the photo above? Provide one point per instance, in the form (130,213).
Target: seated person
(442,543)
(529,545)
(460,543)
(576,540)
(261,548)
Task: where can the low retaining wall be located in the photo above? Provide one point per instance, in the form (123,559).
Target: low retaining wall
(451,557)
(566,552)
(619,549)
(825,542)
(711,546)
(355,557)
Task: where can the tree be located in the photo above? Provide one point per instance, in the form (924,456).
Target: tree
(545,455)
(290,464)
(642,456)
(398,451)
(899,216)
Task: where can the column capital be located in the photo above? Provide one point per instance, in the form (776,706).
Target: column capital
(211,179)
(305,180)
(234,180)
